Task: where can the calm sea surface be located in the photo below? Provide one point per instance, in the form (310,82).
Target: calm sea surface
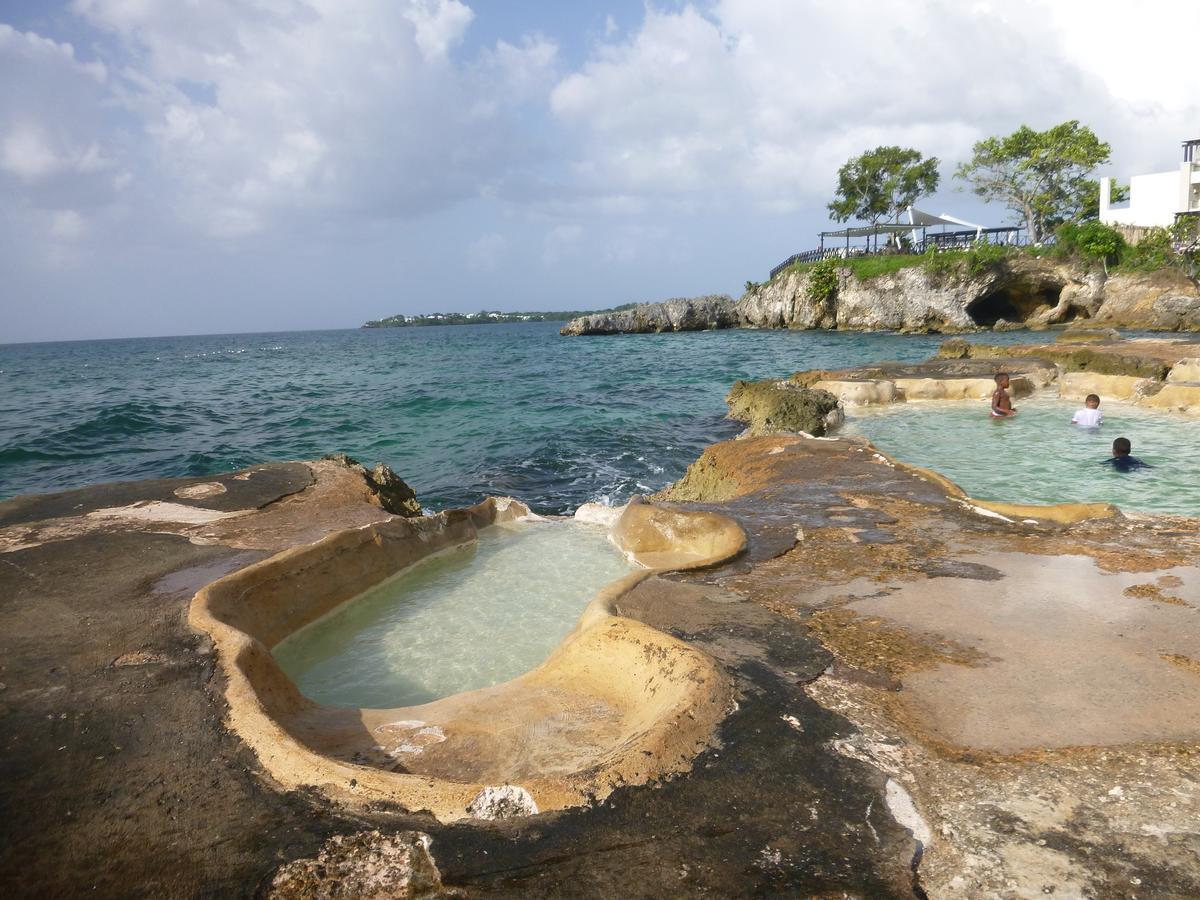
(459,412)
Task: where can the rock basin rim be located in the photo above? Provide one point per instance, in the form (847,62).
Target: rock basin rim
(643,702)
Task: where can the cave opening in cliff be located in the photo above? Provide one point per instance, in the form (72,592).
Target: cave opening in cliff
(1013,303)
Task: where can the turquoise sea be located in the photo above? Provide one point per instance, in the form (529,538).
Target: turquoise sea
(459,412)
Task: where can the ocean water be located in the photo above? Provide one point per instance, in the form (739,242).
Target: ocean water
(1039,457)
(465,619)
(459,412)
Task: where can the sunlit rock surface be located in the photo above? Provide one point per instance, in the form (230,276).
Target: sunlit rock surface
(1019,291)
(926,696)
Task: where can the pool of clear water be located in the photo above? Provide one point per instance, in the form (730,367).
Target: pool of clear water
(1039,457)
(465,619)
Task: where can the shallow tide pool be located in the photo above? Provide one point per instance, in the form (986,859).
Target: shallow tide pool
(462,620)
(1039,457)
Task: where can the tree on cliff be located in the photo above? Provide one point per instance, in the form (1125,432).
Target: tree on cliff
(1042,176)
(881,183)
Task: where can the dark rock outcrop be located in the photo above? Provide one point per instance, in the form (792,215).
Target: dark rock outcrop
(679,314)
(390,491)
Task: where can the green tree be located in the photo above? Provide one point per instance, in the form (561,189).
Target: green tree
(1089,207)
(1042,176)
(882,183)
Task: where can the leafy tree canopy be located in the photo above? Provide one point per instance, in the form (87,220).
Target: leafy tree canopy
(882,183)
(1089,207)
(1042,176)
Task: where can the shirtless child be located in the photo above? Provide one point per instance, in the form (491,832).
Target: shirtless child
(1002,406)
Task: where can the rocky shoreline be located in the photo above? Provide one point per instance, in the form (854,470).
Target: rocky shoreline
(1019,291)
(932,696)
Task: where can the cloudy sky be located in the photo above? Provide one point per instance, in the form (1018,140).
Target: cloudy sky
(179,166)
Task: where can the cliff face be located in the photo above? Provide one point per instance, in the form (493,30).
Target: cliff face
(1021,290)
(1016,292)
(679,314)
(1165,299)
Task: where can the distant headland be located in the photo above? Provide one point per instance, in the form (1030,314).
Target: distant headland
(486,317)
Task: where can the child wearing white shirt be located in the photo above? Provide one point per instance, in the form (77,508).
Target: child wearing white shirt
(1090,416)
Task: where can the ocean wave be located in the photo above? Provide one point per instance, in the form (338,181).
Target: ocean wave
(118,424)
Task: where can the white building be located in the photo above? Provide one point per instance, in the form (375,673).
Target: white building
(1157,199)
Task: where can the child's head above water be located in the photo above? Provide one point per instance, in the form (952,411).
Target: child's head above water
(1122,447)
(1092,401)
(1002,379)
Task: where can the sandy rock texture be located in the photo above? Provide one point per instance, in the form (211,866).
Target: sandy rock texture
(924,697)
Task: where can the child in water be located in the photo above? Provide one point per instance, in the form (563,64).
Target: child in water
(1090,416)
(1002,406)
(1121,460)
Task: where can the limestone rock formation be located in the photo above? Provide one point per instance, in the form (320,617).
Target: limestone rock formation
(1017,291)
(368,865)
(1070,357)
(772,406)
(506,801)
(1165,299)
(390,491)
(678,314)
(1020,291)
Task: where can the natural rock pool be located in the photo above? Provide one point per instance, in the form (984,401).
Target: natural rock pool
(464,619)
(1039,457)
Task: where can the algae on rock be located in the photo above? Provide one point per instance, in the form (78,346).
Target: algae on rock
(771,406)
(389,490)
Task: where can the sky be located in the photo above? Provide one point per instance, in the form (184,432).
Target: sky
(185,167)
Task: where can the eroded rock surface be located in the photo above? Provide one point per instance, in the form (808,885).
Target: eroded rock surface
(926,698)
(1018,291)
(366,866)
(679,314)
(770,406)
(989,666)
(390,491)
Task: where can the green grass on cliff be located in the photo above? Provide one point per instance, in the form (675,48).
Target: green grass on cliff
(973,261)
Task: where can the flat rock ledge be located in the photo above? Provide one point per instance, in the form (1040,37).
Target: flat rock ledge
(929,698)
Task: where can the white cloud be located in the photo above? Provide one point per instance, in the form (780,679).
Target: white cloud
(47,116)
(758,100)
(439,25)
(290,110)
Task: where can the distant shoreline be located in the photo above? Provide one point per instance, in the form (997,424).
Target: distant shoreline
(483,317)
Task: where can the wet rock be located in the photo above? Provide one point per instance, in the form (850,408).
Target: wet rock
(1088,335)
(1081,358)
(772,406)
(955,348)
(679,314)
(390,490)
(504,802)
(366,866)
